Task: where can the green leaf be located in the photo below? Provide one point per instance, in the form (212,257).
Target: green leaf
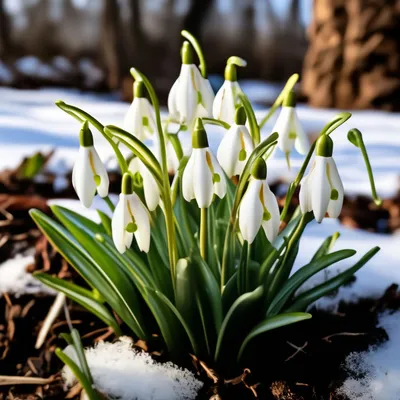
(108,280)
(302,301)
(237,322)
(271,323)
(80,376)
(304,273)
(105,222)
(82,296)
(81,354)
(185,325)
(31,166)
(326,247)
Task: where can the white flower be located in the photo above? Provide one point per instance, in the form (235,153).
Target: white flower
(140,118)
(130,218)
(288,126)
(89,173)
(203,176)
(259,207)
(322,189)
(191,95)
(226,100)
(236,146)
(150,187)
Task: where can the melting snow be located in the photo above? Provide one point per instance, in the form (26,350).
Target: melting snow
(121,372)
(375,374)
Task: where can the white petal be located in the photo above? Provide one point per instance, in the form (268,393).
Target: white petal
(228,151)
(251,211)
(101,171)
(224,106)
(207,96)
(172,105)
(301,143)
(335,206)
(150,187)
(305,194)
(186,95)
(283,126)
(85,186)
(203,186)
(133,122)
(320,188)
(118,224)
(271,227)
(187,180)
(142,234)
(219,187)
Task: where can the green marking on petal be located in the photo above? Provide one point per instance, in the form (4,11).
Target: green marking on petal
(334,194)
(292,135)
(97,179)
(184,128)
(145,121)
(242,155)
(216,178)
(266,215)
(199,98)
(131,227)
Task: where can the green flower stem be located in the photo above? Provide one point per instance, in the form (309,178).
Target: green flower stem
(203,233)
(355,137)
(176,144)
(109,203)
(212,121)
(279,100)
(169,215)
(82,116)
(337,120)
(197,48)
(254,128)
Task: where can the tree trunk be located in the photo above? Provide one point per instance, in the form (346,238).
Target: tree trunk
(4,32)
(353,60)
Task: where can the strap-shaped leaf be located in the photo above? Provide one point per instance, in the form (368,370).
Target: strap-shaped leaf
(82,296)
(326,247)
(302,301)
(271,323)
(238,317)
(105,222)
(304,273)
(96,275)
(80,376)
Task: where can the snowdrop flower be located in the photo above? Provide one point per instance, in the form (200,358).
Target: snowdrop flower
(130,218)
(322,189)
(89,173)
(236,146)
(226,100)
(191,95)
(140,118)
(259,207)
(291,134)
(203,176)
(150,187)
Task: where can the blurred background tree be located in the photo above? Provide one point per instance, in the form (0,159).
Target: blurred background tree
(350,58)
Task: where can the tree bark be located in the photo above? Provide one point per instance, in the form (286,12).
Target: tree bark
(354,55)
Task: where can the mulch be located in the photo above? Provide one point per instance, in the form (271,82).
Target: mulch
(302,361)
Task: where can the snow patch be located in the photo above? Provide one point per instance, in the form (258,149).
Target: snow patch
(123,373)
(375,374)
(14,279)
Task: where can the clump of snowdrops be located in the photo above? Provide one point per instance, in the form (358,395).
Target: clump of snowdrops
(205,262)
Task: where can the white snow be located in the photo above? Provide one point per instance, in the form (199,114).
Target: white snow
(124,373)
(6,76)
(14,279)
(33,67)
(375,374)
